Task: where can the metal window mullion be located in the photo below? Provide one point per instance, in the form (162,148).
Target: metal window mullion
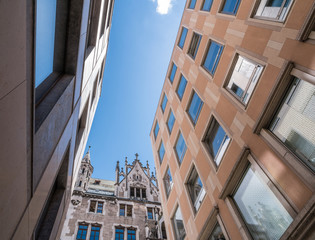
(249,82)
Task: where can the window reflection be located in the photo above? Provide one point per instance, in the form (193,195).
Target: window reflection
(263,213)
(294,123)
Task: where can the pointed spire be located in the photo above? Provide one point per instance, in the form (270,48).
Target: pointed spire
(87,157)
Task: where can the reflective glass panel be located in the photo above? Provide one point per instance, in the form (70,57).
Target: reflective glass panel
(263,213)
(181,87)
(182,37)
(294,123)
(178,224)
(45,39)
(180,148)
(213,57)
(170,121)
(195,108)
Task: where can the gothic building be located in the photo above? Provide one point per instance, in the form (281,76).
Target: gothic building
(127,208)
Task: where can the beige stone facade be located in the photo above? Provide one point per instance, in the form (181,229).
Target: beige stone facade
(128,207)
(45,121)
(228,130)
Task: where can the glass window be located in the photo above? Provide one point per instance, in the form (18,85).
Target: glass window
(164,102)
(181,87)
(231,6)
(82,231)
(173,72)
(156,129)
(119,234)
(263,213)
(217,233)
(206,6)
(194,45)
(92,206)
(129,210)
(45,39)
(194,108)
(217,141)
(182,39)
(178,224)
(161,152)
(213,57)
(99,207)
(132,192)
(276,10)
(122,208)
(131,234)
(144,192)
(294,123)
(180,148)
(138,194)
(195,189)
(150,213)
(244,78)
(170,121)
(192,4)
(95,233)
(168,182)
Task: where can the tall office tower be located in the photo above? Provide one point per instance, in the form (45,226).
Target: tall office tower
(234,133)
(51,69)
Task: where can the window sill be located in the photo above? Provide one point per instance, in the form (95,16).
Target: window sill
(294,162)
(226,16)
(233,100)
(264,23)
(48,101)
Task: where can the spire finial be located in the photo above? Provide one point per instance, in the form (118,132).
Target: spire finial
(137,155)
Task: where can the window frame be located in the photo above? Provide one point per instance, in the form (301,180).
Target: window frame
(208,135)
(99,231)
(202,6)
(78,229)
(123,232)
(253,74)
(152,212)
(156,125)
(194,121)
(180,159)
(178,85)
(96,207)
(161,105)
(171,71)
(217,57)
(124,206)
(175,230)
(189,183)
(244,162)
(193,50)
(167,122)
(284,80)
(168,190)
(235,10)
(257,5)
(161,159)
(189,4)
(131,234)
(180,38)
(214,218)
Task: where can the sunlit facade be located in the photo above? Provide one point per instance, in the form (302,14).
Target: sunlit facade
(239,161)
(52,63)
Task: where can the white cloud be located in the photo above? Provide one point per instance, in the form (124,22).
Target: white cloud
(163,6)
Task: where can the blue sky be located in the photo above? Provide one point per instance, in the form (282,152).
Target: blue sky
(141,41)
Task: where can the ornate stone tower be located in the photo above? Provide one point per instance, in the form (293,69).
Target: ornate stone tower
(85,172)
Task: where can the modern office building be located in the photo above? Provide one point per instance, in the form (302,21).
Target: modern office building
(233,136)
(51,70)
(128,208)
